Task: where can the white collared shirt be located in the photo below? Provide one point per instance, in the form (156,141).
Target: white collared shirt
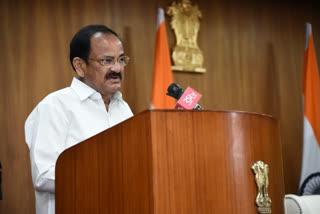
(61,120)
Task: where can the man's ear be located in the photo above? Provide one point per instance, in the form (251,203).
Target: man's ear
(79,65)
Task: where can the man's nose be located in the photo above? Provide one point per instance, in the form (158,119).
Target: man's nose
(116,67)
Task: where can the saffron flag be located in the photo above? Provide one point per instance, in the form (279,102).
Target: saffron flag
(310,172)
(162,74)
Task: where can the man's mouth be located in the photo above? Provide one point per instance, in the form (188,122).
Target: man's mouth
(114,75)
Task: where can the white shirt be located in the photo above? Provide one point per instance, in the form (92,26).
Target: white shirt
(61,120)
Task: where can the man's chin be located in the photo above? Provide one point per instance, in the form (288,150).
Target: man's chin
(115,88)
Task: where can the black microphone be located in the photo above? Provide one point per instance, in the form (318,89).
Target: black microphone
(175,91)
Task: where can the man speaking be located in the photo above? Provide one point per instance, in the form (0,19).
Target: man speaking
(68,116)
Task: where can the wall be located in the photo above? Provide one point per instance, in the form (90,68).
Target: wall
(253,54)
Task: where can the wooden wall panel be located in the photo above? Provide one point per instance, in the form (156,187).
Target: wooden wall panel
(253,52)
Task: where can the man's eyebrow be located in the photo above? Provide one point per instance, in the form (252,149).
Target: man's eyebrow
(113,56)
(108,57)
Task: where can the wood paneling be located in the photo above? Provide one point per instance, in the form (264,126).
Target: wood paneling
(253,52)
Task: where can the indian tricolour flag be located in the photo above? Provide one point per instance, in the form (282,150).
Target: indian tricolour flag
(310,172)
(162,73)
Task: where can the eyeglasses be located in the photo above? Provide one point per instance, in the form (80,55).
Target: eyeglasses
(109,61)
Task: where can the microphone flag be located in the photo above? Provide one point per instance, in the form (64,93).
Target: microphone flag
(188,100)
(310,171)
(162,74)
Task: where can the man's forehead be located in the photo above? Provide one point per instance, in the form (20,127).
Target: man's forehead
(102,41)
(105,37)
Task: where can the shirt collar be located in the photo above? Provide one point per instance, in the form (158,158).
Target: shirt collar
(84,91)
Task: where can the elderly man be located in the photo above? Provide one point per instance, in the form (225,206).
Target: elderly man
(68,116)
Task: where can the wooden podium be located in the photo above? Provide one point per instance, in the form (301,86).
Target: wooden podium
(169,162)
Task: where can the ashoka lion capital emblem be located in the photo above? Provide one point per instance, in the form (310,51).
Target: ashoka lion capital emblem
(185,22)
(263,200)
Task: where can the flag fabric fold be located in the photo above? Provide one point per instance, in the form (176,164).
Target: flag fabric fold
(310,171)
(162,74)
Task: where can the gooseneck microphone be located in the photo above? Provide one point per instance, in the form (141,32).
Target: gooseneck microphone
(186,99)
(175,91)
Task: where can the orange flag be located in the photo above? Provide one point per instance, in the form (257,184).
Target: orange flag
(162,74)
(311,150)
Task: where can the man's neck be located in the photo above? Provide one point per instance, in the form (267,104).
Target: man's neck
(106,100)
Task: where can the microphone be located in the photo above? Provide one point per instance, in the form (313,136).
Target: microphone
(186,99)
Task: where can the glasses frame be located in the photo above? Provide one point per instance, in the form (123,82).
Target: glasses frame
(102,61)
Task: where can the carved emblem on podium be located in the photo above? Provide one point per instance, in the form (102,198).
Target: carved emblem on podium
(263,200)
(186,54)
